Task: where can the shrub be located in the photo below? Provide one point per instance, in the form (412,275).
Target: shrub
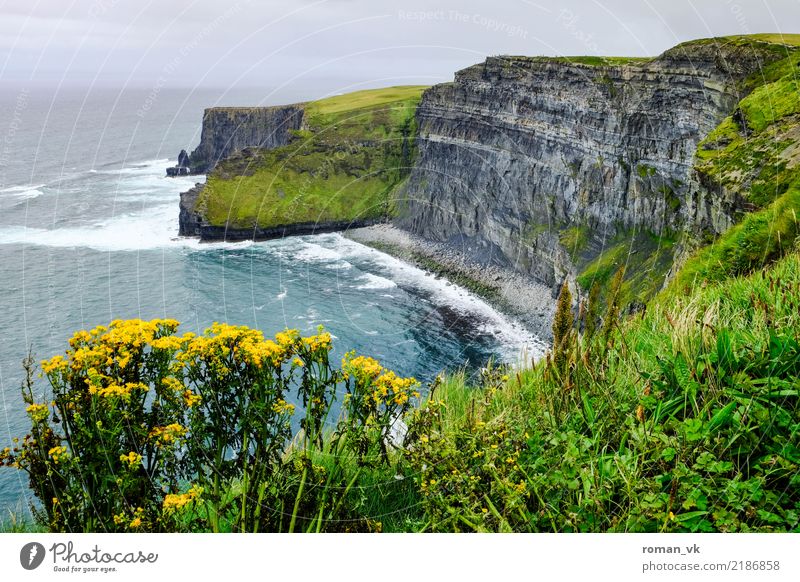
(148,430)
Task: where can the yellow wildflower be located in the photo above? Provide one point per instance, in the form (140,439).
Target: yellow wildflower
(56,363)
(173,383)
(132,459)
(191,399)
(283,407)
(167,434)
(361,367)
(58,453)
(173,502)
(37,412)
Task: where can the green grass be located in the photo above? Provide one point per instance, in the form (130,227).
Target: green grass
(574,239)
(356,149)
(759,239)
(746,154)
(682,420)
(646,258)
(774,38)
(367,98)
(770,103)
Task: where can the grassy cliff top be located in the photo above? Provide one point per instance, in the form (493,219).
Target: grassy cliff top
(770,38)
(363,99)
(353,152)
(777,39)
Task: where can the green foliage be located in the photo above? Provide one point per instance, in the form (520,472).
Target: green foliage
(646,257)
(770,103)
(602,61)
(759,239)
(746,153)
(357,148)
(685,421)
(574,239)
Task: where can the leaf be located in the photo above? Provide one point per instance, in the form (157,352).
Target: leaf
(725,358)
(587,409)
(694,429)
(689,515)
(722,416)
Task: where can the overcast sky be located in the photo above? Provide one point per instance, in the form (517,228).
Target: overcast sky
(336,45)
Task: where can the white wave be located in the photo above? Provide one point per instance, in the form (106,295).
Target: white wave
(375,282)
(514,338)
(312,252)
(154,226)
(25,188)
(23,194)
(282,295)
(158,166)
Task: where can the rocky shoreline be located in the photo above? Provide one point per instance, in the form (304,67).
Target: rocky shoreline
(514,294)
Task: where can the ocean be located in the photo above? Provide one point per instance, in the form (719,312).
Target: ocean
(88,233)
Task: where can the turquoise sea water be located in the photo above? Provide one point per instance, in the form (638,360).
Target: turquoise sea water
(88,233)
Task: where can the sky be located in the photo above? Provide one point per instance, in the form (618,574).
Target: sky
(326,46)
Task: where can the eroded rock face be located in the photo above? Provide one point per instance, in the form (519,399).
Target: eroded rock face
(517,150)
(229,129)
(182,169)
(189,220)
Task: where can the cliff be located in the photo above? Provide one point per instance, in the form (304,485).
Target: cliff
(300,169)
(230,129)
(567,168)
(558,168)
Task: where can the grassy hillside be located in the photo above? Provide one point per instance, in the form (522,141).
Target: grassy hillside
(355,149)
(753,154)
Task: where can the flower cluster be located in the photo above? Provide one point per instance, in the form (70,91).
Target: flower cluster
(132,459)
(114,390)
(361,367)
(37,412)
(283,407)
(168,434)
(134,521)
(138,391)
(58,454)
(174,502)
(376,384)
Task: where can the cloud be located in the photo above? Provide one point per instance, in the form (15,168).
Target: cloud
(252,43)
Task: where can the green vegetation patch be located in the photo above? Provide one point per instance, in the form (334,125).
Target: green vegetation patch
(574,239)
(745,153)
(759,239)
(646,258)
(681,420)
(771,102)
(343,166)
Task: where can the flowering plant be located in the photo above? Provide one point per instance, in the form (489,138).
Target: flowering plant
(150,430)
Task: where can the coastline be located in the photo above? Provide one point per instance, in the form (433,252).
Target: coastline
(531,303)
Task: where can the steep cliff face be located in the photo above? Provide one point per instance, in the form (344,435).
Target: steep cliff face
(546,164)
(229,129)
